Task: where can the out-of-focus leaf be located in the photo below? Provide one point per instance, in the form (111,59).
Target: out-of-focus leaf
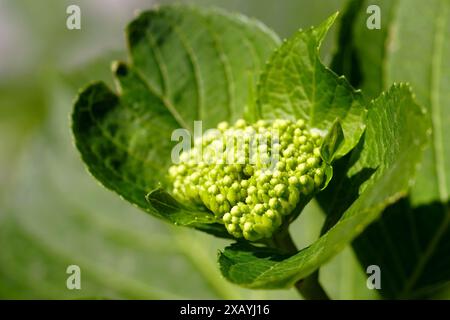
(410,242)
(361,52)
(424,42)
(20,115)
(343,278)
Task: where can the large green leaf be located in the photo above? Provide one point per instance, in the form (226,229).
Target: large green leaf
(391,148)
(410,242)
(186,64)
(429,52)
(295,84)
(430,195)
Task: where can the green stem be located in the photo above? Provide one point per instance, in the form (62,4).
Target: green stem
(310,287)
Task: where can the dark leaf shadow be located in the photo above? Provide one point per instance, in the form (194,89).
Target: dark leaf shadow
(342,190)
(411,247)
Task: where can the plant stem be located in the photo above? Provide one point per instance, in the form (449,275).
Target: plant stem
(309,287)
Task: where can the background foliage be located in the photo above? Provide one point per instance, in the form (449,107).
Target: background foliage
(52,214)
(411,241)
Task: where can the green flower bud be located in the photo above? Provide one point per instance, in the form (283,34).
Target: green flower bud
(312,162)
(279,189)
(222,126)
(248,226)
(227,217)
(272,171)
(273,203)
(293,180)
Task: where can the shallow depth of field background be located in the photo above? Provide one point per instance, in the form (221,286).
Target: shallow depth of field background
(53,214)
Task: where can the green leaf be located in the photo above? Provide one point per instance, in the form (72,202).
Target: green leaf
(330,149)
(296,85)
(392,146)
(176,212)
(430,81)
(346,60)
(410,242)
(332,142)
(186,64)
(171,210)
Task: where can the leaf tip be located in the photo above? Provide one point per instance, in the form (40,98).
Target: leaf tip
(331,19)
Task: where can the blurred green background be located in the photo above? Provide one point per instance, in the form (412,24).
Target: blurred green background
(53,214)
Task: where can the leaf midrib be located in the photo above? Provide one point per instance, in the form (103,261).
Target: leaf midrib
(224,61)
(222,57)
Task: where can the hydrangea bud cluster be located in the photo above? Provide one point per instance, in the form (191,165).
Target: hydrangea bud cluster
(251,176)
